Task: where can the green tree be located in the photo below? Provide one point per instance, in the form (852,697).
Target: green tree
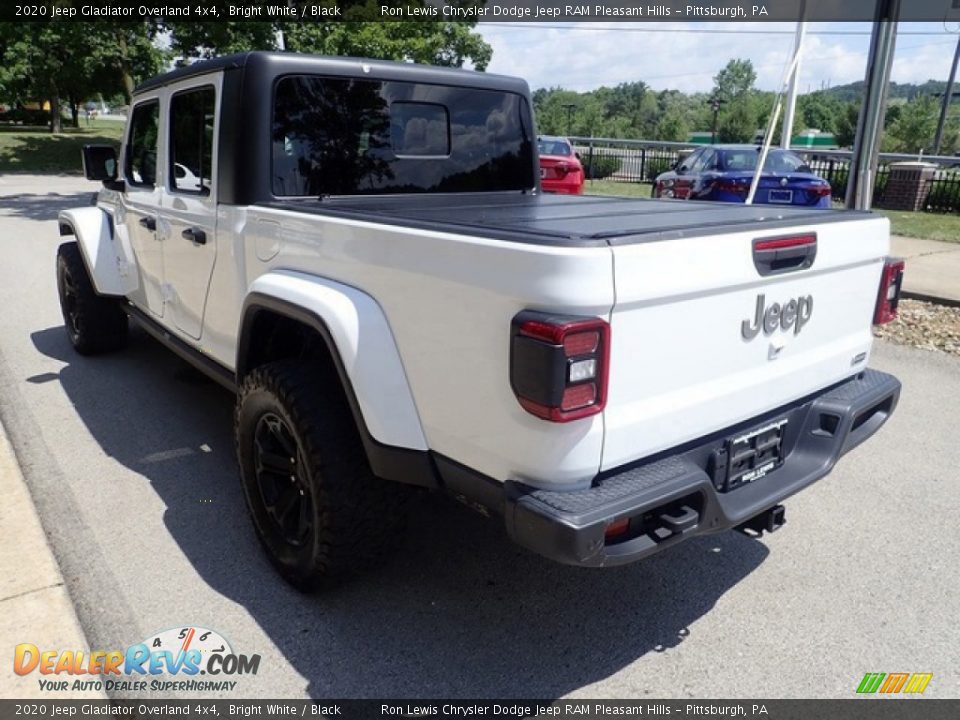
(818,111)
(735,80)
(846,124)
(739,115)
(672,124)
(914,129)
(190,40)
(74,60)
(738,122)
(358,34)
(436,43)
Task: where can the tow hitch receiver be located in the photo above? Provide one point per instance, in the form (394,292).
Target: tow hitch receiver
(769,520)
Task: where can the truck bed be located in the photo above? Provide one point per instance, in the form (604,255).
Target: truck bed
(576,221)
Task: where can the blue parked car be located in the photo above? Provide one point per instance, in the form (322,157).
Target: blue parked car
(724,172)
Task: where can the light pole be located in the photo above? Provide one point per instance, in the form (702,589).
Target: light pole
(715,102)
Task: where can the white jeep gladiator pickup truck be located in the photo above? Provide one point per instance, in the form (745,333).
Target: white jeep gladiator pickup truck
(362,252)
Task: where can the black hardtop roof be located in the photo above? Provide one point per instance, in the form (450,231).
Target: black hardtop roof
(281,63)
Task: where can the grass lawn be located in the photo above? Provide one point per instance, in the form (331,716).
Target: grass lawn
(929,226)
(612,187)
(35,150)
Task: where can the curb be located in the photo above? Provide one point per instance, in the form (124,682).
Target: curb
(949,302)
(35,606)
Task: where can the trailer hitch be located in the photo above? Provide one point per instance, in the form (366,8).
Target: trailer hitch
(769,521)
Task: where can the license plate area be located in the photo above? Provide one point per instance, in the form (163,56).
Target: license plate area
(781,196)
(749,457)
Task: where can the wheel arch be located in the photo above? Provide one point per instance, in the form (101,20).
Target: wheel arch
(288,314)
(95,233)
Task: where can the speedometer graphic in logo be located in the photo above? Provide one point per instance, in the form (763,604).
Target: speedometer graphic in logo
(183,639)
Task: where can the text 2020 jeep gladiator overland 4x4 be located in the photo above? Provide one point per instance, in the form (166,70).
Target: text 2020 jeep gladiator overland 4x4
(361,250)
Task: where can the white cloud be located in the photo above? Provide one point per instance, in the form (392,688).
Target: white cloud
(583,56)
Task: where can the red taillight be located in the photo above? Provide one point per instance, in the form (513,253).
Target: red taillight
(731,186)
(820,190)
(889,295)
(558,365)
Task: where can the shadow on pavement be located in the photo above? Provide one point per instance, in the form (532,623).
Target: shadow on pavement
(459,612)
(36,206)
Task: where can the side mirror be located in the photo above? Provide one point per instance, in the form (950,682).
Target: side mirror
(805,169)
(100,162)
(682,168)
(578,156)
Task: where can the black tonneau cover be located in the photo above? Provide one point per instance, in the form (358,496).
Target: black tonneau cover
(576,221)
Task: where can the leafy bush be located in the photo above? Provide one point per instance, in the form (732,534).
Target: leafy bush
(600,167)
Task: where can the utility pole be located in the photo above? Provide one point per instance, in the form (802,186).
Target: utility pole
(947,98)
(788,116)
(863,162)
(570,108)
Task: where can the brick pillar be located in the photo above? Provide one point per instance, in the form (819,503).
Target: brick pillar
(908,185)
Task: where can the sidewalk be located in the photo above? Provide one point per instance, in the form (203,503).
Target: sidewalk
(933,269)
(34,604)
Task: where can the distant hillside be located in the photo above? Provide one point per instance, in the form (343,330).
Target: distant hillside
(905,91)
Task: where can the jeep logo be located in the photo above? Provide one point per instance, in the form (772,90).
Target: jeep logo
(794,314)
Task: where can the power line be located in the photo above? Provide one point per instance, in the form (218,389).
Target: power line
(700,31)
(812,61)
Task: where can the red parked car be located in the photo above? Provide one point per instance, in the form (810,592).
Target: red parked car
(560,168)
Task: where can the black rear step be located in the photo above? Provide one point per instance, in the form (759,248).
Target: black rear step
(674,497)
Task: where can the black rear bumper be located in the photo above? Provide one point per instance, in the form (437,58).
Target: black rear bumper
(674,496)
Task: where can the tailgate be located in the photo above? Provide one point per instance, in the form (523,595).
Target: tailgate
(687,355)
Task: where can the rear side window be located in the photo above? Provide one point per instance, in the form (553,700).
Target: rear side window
(191,140)
(338,136)
(140,163)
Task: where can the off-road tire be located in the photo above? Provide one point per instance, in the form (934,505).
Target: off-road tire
(94,324)
(355,517)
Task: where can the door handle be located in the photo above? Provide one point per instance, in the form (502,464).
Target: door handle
(195,235)
(149,223)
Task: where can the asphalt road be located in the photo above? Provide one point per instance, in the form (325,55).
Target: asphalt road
(129,460)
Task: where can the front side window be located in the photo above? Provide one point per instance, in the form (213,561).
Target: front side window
(140,166)
(337,136)
(191,140)
(692,163)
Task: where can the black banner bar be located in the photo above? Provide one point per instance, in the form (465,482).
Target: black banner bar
(470,10)
(874,708)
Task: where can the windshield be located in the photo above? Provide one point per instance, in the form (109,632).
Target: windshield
(554,147)
(778,161)
(337,136)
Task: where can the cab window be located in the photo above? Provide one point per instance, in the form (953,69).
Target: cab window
(191,140)
(140,165)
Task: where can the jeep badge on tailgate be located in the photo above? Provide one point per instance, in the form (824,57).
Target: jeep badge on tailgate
(794,313)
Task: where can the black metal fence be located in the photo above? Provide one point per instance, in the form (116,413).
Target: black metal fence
(640,161)
(628,160)
(943,192)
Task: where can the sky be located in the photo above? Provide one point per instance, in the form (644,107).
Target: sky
(686,56)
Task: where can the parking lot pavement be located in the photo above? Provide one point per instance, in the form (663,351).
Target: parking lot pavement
(932,268)
(129,461)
